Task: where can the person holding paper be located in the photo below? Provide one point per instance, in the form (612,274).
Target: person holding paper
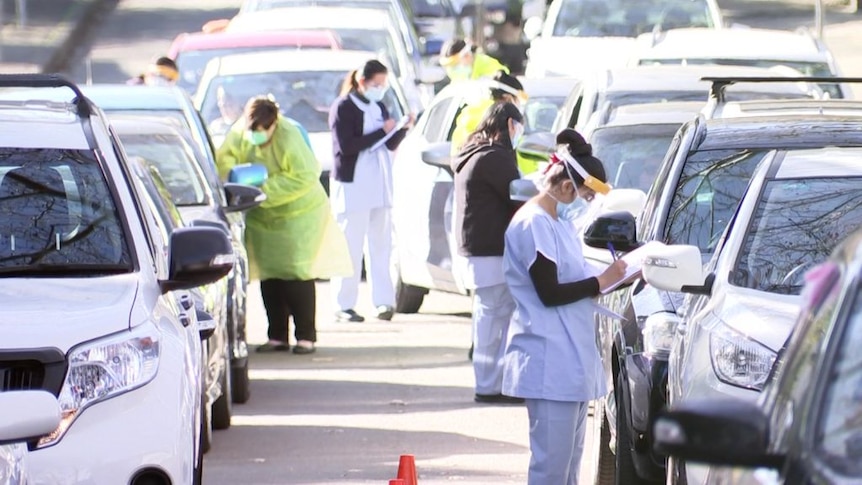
(551,359)
(360,186)
(483,169)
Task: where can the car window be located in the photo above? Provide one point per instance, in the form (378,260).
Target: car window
(436,125)
(628,18)
(796,225)
(838,439)
(655,194)
(175,161)
(710,187)
(632,154)
(56,210)
(540,113)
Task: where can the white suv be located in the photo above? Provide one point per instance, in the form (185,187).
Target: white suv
(94,310)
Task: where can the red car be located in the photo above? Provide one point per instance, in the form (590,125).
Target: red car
(192,51)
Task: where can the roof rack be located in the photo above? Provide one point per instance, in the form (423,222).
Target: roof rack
(82,104)
(719,84)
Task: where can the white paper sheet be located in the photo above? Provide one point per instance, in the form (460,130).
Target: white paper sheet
(603,310)
(400,124)
(634,263)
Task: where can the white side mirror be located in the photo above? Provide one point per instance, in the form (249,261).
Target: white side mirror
(676,267)
(431,74)
(533,28)
(26,415)
(628,200)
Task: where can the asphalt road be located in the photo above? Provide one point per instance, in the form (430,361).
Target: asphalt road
(375,390)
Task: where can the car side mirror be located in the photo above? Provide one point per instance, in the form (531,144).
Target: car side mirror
(242,197)
(728,432)
(206,324)
(677,268)
(438,155)
(253,174)
(613,228)
(33,414)
(197,256)
(523,189)
(537,146)
(431,74)
(533,28)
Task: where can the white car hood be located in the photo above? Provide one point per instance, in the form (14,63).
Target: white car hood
(321,145)
(64,312)
(553,55)
(767,318)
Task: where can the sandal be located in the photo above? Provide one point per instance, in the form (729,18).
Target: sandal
(304,347)
(273,346)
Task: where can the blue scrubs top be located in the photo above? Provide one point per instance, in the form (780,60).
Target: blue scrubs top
(551,352)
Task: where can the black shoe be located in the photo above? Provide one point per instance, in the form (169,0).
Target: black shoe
(385,312)
(302,350)
(349,316)
(497,399)
(273,347)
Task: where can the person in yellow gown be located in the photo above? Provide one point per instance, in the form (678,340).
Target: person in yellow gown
(463,61)
(291,238)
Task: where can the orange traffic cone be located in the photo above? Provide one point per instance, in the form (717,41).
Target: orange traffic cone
(396,481)
(407,470)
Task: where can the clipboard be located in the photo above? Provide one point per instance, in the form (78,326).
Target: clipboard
(634,263)
(400,124)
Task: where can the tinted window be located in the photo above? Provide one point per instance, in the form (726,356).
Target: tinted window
(540,113)
(796,225)
(839,433)
(175,161)
(56,211)
(632,155)
(628,18)
(710,187)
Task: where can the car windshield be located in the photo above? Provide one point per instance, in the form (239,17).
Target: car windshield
(540,113)
(816,69)
(175,161)
(710,187)
(57,214)
(304,96)
(632,155)
(796,225)
(838,440)
(628,18)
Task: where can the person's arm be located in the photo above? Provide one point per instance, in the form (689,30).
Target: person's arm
(500,170)
(229,153)
(298,170)
(347,126)
(543,273)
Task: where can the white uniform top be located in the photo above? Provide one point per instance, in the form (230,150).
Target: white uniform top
(552,352)
(372,181)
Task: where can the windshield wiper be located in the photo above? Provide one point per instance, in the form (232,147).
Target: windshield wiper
(71,269)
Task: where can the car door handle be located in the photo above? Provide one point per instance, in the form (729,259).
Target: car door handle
(185,319)
(186,302)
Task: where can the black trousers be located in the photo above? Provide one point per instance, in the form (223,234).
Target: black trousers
(285,298)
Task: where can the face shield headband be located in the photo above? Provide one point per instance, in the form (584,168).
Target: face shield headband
(563,156)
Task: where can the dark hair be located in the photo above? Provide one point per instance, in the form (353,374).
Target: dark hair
(495,124)
(455,46)
(583,153)
(368,71)
(166,62)
(260,112)
(503,78)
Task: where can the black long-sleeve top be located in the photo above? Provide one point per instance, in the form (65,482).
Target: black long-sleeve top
(346,121)
(543,273)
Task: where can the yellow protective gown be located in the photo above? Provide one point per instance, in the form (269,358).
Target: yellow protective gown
(292,235)
(485,66)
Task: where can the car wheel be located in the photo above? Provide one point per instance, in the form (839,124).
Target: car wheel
(607,467)
(625,467)
(240,388)
(408,299)
(222,406)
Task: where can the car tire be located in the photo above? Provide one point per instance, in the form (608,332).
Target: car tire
(221,412)
(625,467)
(408,299)
(607,467)
(240,385)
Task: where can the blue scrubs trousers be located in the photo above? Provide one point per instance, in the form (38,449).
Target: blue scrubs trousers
(557,430)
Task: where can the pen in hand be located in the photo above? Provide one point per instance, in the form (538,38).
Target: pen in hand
(613,251)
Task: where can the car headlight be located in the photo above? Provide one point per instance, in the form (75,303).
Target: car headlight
(738,360)
(659,329)
(103,369)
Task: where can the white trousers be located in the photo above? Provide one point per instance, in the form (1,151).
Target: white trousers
(373,227)
(493,307)
(557,431)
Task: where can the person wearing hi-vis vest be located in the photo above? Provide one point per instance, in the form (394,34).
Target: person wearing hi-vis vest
(463,61)
(360,188)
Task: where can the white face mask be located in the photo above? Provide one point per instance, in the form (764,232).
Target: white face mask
(375,94)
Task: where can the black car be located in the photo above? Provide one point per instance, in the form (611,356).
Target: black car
(695,194)
(808,426)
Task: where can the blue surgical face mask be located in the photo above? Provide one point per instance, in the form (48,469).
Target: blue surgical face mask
(375,93)
(572,210)
(459,72)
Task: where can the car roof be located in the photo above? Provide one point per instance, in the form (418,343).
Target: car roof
(775,132)
(111,97)
(549,86)
(24,123)
(733,43)
(137,125)
(821,162)
(328,17)
(673,112)
(225,40)
(760,107)
(291,61)
(685,78)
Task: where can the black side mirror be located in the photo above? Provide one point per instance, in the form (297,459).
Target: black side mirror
(207,223)
(728,432)
(616,228)
(437,155)
(242,197)
(198,256)
(539,145)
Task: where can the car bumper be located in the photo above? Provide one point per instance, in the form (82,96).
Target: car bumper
(152,427)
